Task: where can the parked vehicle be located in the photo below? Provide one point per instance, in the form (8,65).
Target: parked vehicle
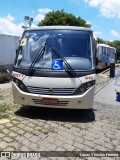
(104,55)
(8,47)
(55,67)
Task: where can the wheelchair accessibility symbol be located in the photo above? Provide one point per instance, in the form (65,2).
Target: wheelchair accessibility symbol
(57,65)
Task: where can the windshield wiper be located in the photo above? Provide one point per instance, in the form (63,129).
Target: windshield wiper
(37,57)
(64,60)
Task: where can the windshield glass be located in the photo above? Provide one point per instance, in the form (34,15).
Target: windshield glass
(75,46)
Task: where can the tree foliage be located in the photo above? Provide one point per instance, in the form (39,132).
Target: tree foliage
(116,44)
(99,40)
(63,18)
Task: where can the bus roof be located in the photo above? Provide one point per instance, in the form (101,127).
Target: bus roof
(105,45)
(61,28)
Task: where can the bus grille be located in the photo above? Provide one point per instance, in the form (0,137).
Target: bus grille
(60,103)
(51,91)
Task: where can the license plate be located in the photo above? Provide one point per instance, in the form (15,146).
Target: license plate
(49,101)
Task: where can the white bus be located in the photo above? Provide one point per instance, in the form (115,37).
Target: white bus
(55,67)
(104,50)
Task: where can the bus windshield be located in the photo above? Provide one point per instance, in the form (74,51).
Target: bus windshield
(75,46)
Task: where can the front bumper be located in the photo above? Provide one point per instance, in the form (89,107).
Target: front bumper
(84,101)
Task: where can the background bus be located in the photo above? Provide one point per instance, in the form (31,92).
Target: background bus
(104,52)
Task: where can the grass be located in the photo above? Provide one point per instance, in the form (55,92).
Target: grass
(114,147)
(1,97)
(47,130)
(1,150)
(6,103)
(6,107)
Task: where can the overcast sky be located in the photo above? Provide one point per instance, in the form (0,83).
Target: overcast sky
(103,15)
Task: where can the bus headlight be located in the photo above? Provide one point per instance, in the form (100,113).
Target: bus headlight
(84,87)
(20,84)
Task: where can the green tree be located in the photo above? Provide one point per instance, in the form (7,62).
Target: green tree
(116,44)
(63,18)
(99,40)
